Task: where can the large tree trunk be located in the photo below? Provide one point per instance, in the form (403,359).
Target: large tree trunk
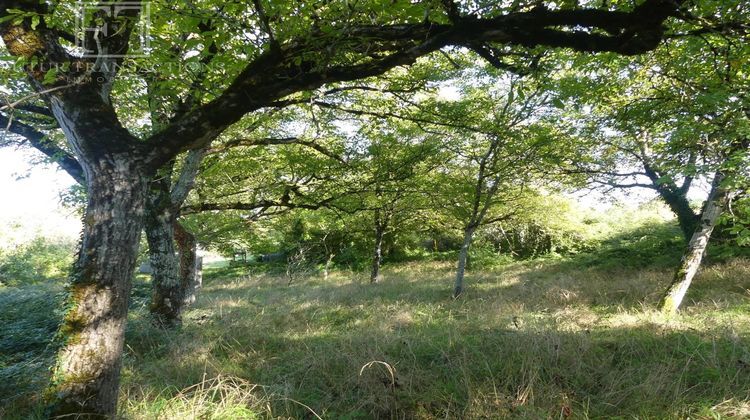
(86,376)
(377,254)
(191,266)
(696,248)
(463,256)
(167,293)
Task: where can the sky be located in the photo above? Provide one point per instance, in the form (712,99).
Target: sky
(30,195)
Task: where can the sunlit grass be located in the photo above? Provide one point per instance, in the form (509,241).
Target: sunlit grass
(528,340)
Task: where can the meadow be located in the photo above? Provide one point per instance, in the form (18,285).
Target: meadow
(573,337)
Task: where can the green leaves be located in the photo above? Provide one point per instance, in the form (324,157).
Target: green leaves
(50,76)
(16,17)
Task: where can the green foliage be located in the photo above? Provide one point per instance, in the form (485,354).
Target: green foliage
(740,220)
(39,260)
(422,168)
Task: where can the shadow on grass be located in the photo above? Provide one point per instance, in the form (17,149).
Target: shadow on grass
(506,349)
(628,271)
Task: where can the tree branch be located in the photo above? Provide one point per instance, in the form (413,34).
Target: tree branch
(186,180)
(278,73)
(34,109)
(278,141)
(41,143)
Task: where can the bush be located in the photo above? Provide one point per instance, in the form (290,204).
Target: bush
(40,259)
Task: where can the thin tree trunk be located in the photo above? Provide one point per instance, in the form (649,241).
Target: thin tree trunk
(87,371)
(326,268)
(463,256)
(696,248)
(191,266)
(377,255)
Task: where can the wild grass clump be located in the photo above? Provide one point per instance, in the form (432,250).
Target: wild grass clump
(29,317)
(216,398)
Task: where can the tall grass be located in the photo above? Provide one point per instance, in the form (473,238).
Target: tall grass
(535,340)
(540,339)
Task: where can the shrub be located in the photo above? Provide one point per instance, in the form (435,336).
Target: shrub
(40,259)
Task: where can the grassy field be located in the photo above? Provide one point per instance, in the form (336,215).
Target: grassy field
(540,339)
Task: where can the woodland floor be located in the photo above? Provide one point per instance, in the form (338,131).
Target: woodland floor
(539,339)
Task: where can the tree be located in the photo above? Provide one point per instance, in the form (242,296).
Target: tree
(501,145)
(718,199)
(719,86)
(173,278)
(394,186)
(279,59)
(666,119)
(641,158)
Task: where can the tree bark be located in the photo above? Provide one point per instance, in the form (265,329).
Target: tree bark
(173,278)
(463,257)
(688,220)
(686,216)
(696,248)
(675,197)
(86,376)
(167,292)
(191,266)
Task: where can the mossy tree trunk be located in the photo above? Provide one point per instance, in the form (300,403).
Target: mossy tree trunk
(687,218)
(167,293)
(172,277)
(86,376)
(675,197)
(696,249)
(191,266)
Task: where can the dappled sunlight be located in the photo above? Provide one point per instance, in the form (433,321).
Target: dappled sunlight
(376,209)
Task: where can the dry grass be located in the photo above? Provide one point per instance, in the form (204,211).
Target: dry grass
(541,339)
(534,340)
